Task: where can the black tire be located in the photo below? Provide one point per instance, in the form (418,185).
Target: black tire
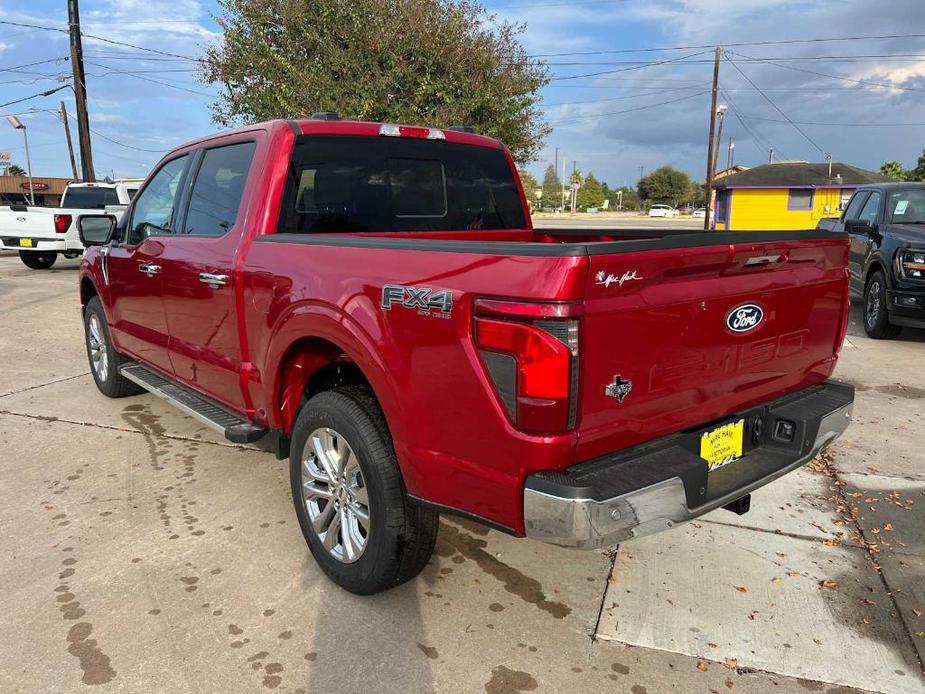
(110,380)
(876,312)
(38,260)
(401,532)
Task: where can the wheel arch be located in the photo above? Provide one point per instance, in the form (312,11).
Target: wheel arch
(87,290)
(877,263)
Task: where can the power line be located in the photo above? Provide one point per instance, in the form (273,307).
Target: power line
(35,96)
(732,45)
(654,63)
(630,110)
(15,68)
(840,77)
(98,38)
(904,57)
(615,98)
(775,106)
(122,144)
(151,79)
(748,128)
(839,125)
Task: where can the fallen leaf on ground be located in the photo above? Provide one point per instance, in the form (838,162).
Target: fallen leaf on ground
(917,613)
(741,589)
(702,666)
(776,579)
(730,663)
(829,585)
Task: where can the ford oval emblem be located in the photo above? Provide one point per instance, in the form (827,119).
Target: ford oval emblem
(743,318)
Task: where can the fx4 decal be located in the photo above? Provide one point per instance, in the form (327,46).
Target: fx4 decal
(427,302)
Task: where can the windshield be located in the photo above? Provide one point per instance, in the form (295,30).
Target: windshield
(907,206)
(388,184)
(89,198)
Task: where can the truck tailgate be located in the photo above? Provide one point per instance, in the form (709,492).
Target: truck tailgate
(682,337)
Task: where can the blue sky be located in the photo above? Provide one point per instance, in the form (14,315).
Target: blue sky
(142,104)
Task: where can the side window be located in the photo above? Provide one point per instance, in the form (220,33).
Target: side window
(869,211)
(154,206)
(853,210)
(800,199)
(216,194)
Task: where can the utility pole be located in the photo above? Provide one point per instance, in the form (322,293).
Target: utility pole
(67,135)
(770,155)
(572,186)
(80,92)
(709,186)
(642,172)
(730,153)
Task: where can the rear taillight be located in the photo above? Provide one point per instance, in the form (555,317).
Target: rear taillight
(62,223)
(530,352)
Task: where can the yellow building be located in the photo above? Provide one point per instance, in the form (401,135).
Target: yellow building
(785,196)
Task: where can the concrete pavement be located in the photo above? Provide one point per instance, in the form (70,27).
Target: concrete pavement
(141,552)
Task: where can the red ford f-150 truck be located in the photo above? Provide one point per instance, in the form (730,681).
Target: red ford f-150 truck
(374,300)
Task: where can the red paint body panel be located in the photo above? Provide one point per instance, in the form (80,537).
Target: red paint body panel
(292,308)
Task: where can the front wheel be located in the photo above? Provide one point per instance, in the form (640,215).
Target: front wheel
(364,531)
(876,314)
(104,359)
(38,260)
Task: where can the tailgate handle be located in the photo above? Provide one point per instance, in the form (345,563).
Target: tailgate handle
(764,259)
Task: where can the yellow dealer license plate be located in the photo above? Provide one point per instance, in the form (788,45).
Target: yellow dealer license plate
(25,242)
(723,444)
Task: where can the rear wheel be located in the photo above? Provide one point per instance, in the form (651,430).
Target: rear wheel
(38,260)
(104,359)
(361,527)
(876,314)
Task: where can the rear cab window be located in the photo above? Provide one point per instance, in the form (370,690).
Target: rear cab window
(378,184)
(89,198)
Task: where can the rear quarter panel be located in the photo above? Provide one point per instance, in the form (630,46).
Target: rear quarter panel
(452,438)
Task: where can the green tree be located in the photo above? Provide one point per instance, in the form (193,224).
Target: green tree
(529,183)
(433,62)
(591,194)
(894,170)
(918,173)
(552,188)
(14,170)
(664,185)
(630,200)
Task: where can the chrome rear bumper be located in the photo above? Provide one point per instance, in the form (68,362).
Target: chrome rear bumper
(574,509)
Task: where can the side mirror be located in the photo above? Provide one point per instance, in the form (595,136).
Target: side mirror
(96,230)
(858,226)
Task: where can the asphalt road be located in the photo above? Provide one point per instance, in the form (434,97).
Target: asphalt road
(141,552)
(614,220)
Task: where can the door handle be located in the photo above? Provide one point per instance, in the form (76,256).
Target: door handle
(213,280)
(150,269)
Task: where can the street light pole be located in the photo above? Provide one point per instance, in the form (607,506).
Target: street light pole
(19,125)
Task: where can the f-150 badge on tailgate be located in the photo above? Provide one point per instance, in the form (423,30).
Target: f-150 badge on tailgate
(427,302)
(744,317)
(619,389)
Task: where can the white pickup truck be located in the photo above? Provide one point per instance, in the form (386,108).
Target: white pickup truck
(41,233)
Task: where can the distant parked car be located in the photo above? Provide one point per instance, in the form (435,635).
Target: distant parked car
(662,211)
(684,209)
(700,212)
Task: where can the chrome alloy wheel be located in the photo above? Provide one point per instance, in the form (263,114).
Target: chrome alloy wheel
(99,358)
(335,495)
(873,303)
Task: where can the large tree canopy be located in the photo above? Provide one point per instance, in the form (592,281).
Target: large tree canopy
(429,62)
(665,184)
